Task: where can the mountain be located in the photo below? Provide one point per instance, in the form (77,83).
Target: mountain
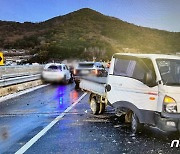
(83,34)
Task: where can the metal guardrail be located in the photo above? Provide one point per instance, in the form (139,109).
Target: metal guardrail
(17,80)
(10,75)
(19,70)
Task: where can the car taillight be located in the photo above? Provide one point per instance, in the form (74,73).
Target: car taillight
(95,72)
(74,72)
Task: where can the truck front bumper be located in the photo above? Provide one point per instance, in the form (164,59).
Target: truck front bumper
(167,122)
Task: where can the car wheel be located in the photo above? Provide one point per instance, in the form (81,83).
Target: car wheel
(44,81)
(135,125)
(71,80)
(95,107)
(65,80)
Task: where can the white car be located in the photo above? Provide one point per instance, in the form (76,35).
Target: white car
(56,72)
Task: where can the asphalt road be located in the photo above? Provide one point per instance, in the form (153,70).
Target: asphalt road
(23,117)
(78,131)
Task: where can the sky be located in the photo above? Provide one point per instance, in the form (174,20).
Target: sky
(160,14)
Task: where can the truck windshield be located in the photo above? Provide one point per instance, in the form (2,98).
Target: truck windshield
(170,71)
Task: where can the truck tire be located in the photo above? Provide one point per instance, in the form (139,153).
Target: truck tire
(95,107)
(135,125)
(102,108)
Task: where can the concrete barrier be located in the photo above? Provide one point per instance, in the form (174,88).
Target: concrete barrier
(18,87)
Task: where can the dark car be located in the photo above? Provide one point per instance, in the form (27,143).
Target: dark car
(88,69)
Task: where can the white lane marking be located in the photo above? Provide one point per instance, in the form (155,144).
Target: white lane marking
(21,93)
(48,127)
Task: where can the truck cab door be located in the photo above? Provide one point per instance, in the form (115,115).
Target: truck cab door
(126,83)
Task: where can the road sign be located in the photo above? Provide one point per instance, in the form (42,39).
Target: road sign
(1,59)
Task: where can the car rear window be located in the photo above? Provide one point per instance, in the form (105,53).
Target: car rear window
(54,67)
(91,65)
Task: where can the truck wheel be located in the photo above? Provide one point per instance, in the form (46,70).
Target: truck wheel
(102,108)
(135,125)
(95,107)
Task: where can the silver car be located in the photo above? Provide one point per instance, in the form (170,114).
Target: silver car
(56,72)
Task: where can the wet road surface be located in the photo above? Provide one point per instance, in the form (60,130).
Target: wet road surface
(81,132)
(24,116)
(77,132)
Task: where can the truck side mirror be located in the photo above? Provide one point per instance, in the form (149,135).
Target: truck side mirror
(148,78)
(164,69)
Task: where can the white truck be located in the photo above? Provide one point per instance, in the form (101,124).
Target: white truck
(143,87)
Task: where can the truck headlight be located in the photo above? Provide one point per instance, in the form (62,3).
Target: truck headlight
(170,105)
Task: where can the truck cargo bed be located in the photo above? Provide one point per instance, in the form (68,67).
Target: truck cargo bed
(94,85)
